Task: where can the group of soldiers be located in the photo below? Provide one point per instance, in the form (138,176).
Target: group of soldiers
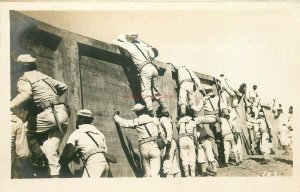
(47,123)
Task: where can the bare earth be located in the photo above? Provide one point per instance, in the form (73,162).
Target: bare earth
(280,165)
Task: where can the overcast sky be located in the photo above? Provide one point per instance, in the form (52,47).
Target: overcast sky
(254,46)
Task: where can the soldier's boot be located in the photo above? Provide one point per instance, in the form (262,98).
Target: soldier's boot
(182,110)
(193,170)
(226,158)
(148,103)
(203,169)
(186,171)
(163,104)
(54,176)
(240,157)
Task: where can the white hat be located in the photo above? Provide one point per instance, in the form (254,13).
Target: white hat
(138,107)
(26,58)
(132,34)
(85,113)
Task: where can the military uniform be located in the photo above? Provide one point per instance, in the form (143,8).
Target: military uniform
(143,56)
(228,139)
(147,130)
(189,84)
(252,102)
(205,150)
(19,148)
(170,164)
(187,134)
(43,90)
(92,149)
(264,141)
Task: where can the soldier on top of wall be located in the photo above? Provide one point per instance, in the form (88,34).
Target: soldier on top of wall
(143,55)
(48,114)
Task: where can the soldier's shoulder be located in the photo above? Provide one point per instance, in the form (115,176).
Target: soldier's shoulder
(144,119)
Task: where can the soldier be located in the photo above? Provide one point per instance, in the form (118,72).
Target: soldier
(290,125)
(283,130)
(143,55)
(189,84)
(20,167)
(147,129)
(253,128)
(170,164)
(252,101)
(43,124)
(90,143)
(211,111)
(228,139)
(186,127)
(205,152)
(264,140)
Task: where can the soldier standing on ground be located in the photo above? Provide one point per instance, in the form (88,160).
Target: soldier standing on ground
(147,129)
(170,165)
(44,135)
(90,144)
(187,138)
(20,166)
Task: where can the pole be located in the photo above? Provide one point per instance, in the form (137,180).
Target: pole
(56,119)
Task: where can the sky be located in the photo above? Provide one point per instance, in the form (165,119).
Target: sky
(253,46)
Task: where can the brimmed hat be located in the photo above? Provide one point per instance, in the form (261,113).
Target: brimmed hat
(138,107)
(85,113)
(26,58)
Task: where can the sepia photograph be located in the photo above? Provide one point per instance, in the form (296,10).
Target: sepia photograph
(197,92)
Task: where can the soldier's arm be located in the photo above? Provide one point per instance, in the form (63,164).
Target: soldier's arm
(60,87)
(105,145)
(168,127)
(24,89)
(126,123)
(69,149)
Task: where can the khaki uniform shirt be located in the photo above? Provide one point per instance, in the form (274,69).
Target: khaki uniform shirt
(140,125)
(32,85)
(141,53)
(83,142)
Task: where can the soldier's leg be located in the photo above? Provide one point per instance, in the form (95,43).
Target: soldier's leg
(146,89)
(210,155)
(182,101)
(227,147)
(154,160)
(145,160)
(192,161)
(184,156)
(50,147)
(202,160)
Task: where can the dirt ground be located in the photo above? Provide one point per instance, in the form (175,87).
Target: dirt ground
(280,165)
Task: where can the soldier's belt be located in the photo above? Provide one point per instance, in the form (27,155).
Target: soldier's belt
(185,135)
(149,139)
(263,131)
(47,103)
(92,152)
(211,112)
